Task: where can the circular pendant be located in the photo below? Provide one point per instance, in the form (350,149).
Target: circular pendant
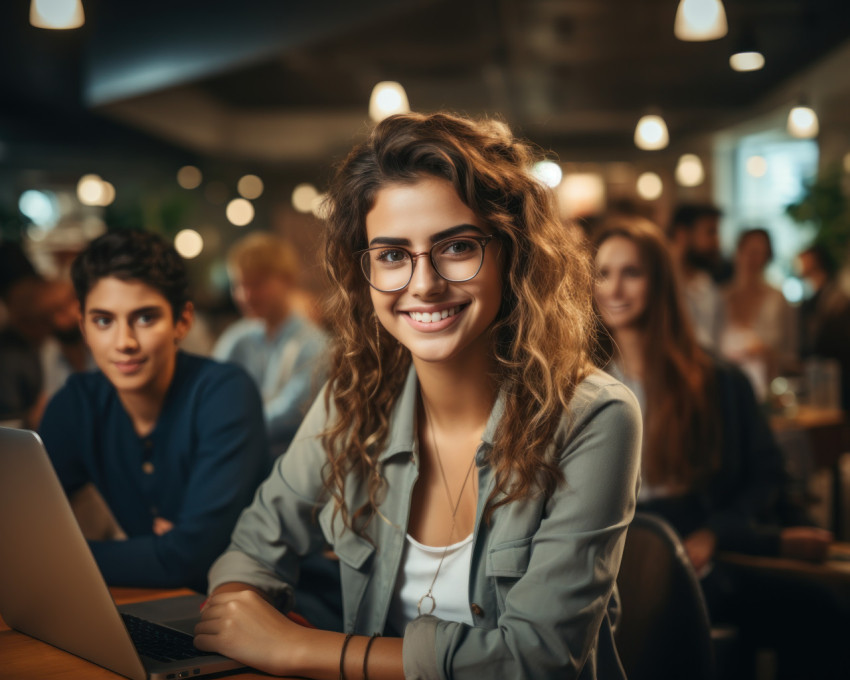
(426,596)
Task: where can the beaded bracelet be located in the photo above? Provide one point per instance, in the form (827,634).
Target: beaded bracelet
(366,654)
(348,637)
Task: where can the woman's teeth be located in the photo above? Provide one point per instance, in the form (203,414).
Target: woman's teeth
(433,317)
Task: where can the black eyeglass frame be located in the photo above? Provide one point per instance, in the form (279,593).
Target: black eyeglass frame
(481,240)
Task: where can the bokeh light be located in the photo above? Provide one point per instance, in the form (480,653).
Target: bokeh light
(649,186)
(303,196)
(240,212)
(189,243)
(250,187)
(189,177)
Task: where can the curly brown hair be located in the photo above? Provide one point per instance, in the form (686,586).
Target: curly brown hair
(543,333)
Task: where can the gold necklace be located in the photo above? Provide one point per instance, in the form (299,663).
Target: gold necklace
(430,595)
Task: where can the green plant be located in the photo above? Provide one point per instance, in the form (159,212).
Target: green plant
(826,207)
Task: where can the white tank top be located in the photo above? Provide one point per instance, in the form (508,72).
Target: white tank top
(418,565)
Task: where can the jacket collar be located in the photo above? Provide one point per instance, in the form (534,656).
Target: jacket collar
(402,436)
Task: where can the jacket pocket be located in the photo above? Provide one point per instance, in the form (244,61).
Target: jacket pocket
(506,564)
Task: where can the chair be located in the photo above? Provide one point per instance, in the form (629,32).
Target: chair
(664,631)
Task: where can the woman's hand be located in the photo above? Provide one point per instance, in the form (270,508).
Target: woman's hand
(244,627)
(700,547)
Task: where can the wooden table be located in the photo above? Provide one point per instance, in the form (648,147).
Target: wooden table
(24,657)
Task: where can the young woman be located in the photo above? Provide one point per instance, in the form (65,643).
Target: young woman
(472,471)
(710,465)
(760,328)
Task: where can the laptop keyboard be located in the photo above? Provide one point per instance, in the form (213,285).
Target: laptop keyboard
(160,643)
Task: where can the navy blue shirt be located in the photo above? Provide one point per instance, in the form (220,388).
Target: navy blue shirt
(198,468)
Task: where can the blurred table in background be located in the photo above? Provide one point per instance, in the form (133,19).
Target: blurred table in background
(821,435)
(833,574)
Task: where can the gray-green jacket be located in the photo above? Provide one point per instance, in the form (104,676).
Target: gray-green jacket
(542,578)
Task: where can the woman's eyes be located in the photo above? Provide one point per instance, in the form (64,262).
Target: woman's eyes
(459,247)
(101,321)
(391,255)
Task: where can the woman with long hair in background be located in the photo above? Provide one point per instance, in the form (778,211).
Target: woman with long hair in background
(710,465)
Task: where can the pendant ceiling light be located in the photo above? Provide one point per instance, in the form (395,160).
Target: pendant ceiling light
(747,56)
(57,14)
(803,122)
(388,97)
(700,20)
(651,133)
(689,170)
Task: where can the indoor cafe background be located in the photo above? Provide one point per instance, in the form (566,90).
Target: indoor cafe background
(204,120)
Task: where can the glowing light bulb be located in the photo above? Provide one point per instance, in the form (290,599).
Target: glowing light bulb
(188,243)
(57,14)
(747,61)
(388,97)
(698,20)
(689,170)
(651,133)
(803,122)
(303,196)
(649,186)
(90,190)
(240,212)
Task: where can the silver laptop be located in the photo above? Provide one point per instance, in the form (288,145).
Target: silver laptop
(52,589)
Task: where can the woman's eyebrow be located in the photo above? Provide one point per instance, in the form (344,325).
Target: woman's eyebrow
(454,231)
(439,236)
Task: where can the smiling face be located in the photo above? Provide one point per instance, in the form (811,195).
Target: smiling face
(130,329)
(435,319)
(622,287)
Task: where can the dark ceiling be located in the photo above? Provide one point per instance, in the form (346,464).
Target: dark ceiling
(288,83)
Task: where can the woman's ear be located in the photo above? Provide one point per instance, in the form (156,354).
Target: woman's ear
(183,323)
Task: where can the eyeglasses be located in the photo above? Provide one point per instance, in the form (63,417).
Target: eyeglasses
(390,268)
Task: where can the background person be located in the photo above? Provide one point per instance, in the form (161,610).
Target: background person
(759,330)
(27,326)
(473,472)
(695,247)
(710,465)
(65,351)
(825,314)
(284,352)
(174,443)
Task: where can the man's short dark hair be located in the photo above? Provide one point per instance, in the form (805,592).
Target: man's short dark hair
(686,215)
(133,256)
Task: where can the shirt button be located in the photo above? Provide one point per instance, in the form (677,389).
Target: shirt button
(147,467)
(476,610)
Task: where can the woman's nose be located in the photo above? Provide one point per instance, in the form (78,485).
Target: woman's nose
(425,280)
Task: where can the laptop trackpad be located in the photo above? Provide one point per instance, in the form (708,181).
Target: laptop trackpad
(180,613)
